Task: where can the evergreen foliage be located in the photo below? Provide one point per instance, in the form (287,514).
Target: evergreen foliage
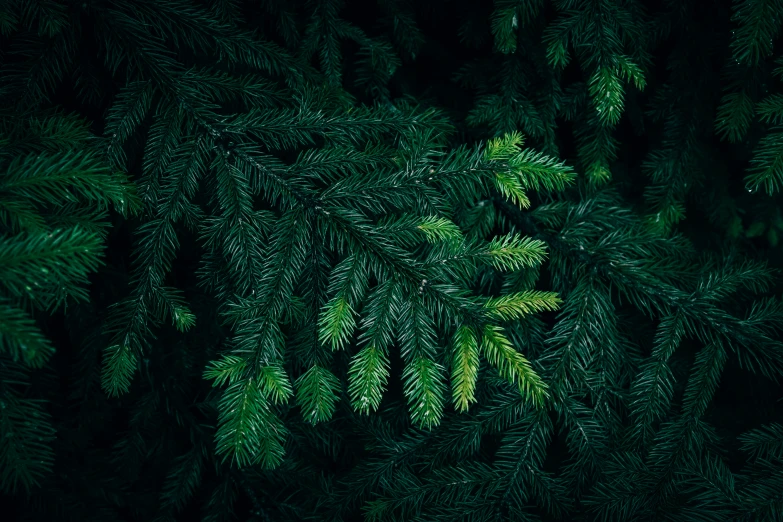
(445,261)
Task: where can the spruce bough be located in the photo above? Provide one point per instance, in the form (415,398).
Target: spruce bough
(403,276)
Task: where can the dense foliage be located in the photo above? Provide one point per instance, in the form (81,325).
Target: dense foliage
(334,260)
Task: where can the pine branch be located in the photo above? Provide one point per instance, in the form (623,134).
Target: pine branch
(513,366)
(759,24)
(20,337)
(766,166)
(735,115)
(48,267)
(317,394)
(464,367)
(65,177)
(764,442)
(348,285)
(183,479)
(249,433)
(381,312)
(27,432)
(654,388)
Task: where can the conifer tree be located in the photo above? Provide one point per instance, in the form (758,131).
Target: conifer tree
(331,260)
